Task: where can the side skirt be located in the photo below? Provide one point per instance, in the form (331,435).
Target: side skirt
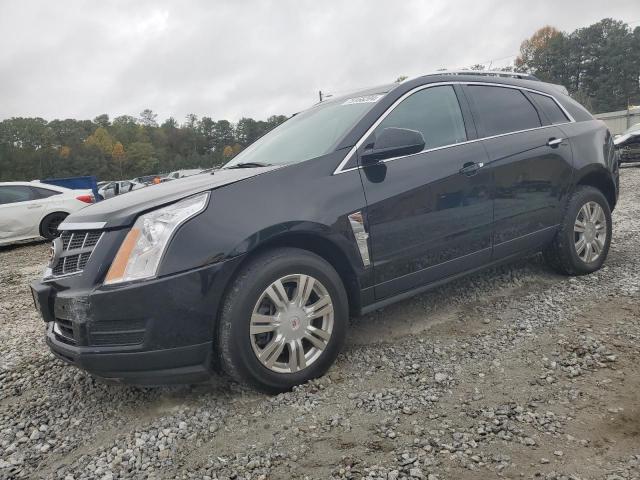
(424,288)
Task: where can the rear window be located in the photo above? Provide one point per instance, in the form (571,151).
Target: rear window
(502,110)
(44,192)
(549,108)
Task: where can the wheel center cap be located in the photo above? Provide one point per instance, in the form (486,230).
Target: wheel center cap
(294,322)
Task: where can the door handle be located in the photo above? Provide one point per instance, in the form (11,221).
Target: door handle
(471,168)
(554,142)
(31,207)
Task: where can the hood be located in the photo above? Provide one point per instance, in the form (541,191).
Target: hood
(620,140)
(121,211)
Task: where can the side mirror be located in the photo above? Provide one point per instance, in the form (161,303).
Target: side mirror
(394,142)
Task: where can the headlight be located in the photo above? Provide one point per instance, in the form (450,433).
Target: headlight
(141,251)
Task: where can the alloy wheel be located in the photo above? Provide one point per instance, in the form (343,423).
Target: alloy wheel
(590,232)
(291,323)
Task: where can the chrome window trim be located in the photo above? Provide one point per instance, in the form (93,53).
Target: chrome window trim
(81,226)
(339,169)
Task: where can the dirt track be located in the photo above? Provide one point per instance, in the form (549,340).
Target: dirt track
(514,372)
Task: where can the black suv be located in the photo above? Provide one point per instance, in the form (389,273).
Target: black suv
(348,206)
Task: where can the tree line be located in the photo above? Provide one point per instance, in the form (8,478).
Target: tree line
(599,65)
(125,147)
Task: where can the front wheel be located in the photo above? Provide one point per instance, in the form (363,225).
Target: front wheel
(283,321)
(582,243)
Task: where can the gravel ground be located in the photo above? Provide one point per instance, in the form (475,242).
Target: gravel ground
(515,372)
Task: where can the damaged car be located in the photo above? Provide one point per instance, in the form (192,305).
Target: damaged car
(628,144)
(353,204)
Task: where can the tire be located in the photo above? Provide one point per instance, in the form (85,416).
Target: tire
(240,340)
(562,254)
(49,225)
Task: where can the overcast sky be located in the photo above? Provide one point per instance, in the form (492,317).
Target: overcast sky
(228,59)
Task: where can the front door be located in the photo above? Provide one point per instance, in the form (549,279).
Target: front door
(429,214)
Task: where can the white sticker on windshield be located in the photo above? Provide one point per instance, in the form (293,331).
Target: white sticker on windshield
(363,99)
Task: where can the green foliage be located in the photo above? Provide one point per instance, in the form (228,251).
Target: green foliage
(599,64)
(102,120)
(101,139)
(148,118)
(126,147)
(142,157)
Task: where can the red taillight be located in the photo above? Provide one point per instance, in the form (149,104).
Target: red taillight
(85,198)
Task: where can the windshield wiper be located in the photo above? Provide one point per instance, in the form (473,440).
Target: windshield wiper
(250,165)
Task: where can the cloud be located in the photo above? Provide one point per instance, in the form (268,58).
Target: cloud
(228,59)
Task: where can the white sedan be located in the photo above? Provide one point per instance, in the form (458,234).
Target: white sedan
(32,209)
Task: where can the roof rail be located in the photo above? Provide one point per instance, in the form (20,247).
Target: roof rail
(488,73)
(492,73)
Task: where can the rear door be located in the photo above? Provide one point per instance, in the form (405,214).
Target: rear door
(531,162)
(427,217)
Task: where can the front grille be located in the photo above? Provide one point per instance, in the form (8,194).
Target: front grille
(77,246)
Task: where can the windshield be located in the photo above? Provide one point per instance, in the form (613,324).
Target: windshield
(308,134)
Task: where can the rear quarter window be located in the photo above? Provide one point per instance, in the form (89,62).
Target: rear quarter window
(40,192)
(549,108)
(577,111)
(502,110)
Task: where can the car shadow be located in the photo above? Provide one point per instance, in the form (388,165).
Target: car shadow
(453,302)
(22,243)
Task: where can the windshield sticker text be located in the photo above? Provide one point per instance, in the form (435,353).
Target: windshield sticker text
(363,99)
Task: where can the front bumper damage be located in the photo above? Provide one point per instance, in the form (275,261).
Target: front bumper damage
(155,332)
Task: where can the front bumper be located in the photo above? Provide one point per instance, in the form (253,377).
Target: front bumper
(181,365)
(155,332)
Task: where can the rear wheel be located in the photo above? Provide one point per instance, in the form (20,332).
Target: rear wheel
(50,223)
(582,243)
(283,321)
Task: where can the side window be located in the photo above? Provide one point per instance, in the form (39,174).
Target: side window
(109,190)
(15,194)
(502,110)
(434,112)
(44,192)
(549,108)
